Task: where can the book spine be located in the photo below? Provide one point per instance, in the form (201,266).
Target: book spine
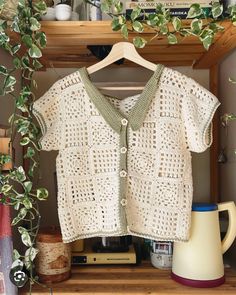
(178,12)
(170,5)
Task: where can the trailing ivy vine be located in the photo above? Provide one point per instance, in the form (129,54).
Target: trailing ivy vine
(162,24)
(23,40)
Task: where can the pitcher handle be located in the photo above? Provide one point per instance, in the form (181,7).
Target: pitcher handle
(231,231)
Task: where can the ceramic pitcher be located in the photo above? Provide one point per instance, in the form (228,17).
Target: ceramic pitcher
(199,262)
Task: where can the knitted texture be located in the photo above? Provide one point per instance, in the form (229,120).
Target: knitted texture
(124,166)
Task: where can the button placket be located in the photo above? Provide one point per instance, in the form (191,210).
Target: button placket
(123,202)
(123,150)
(123,170)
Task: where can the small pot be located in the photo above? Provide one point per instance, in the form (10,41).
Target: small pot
(63,12)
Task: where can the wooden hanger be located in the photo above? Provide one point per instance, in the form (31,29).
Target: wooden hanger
(122,50)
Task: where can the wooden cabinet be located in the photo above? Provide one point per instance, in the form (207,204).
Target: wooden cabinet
(67,45)
(127,280)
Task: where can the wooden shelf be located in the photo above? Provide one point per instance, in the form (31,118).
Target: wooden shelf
(67,45)
(127,280)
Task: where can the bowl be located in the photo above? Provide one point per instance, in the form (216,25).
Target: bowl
(50,15)
(63,12)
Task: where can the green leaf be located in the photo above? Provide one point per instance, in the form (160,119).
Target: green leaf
(30,152)
(124,31)
(137,26)
(217,9)
(28,186)
(194,11)
(3,70)
(25,62)
(21,3)
(176,22)
(40,6)
(35,52)
(196,26)
(25,237)
(6,188)
(231,9)
(139,42)
(27,203)
(118,8)
(15,25)
(21,229)
(152,19)
(122,20)
(105,7)
(17,63)
(9,81)
(17,205)
(21,215)
(172,39)
(27,40)
(162,21)
(21,103)
(36,64)
(233,19)
(3,25)
(41,39)
(15,220)
(207,41)
(17,264)
(15,255)
(135,13)
(42,194)
(31,169)
(15,48)
(35,25)
(22,126)
(24,141)
(159,8)
(30,255)
(4,159)
(115,24)
(164,29)
(4,38)
(216,27)
(18,174)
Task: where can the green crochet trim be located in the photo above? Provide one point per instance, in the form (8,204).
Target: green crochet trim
(112,115)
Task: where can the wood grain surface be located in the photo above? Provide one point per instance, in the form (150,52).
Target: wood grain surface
(129,280)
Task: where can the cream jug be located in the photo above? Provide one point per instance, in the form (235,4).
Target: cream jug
(199,262)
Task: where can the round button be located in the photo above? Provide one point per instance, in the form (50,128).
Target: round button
(123,173)
(123,202)
(124,122)
(123,150)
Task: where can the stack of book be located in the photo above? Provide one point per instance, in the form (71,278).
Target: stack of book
(177,8)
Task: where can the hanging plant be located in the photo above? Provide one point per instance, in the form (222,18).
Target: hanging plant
(16,187)
(203,26)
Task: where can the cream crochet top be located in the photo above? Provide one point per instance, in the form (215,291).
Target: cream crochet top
(124,166)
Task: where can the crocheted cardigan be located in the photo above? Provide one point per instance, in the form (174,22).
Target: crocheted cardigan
(124,166)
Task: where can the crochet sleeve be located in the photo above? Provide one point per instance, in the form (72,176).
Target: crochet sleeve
(46,110)
(199,106)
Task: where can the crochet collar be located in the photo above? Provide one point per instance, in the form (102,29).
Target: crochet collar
(110,113)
